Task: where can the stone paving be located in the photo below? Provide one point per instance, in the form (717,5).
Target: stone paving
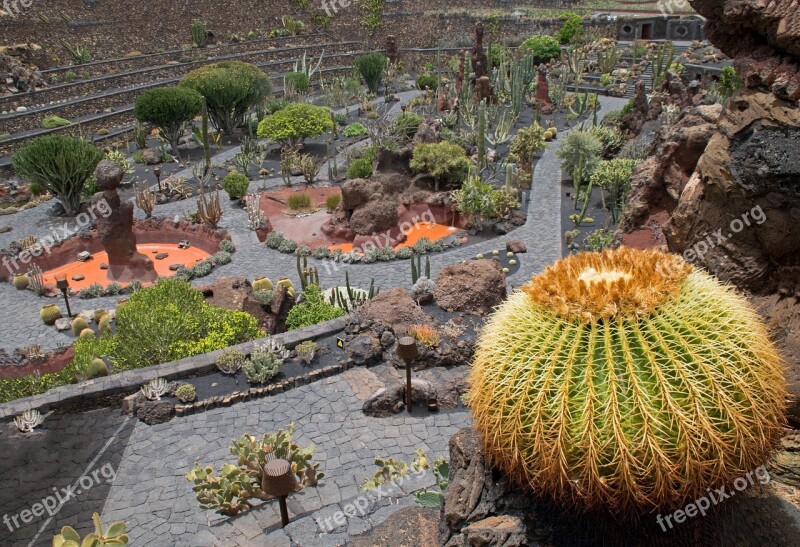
(149,490)
(19,310)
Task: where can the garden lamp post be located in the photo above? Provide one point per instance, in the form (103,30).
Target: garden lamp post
(407,351)
(157,173)
(63,285)
(279,480)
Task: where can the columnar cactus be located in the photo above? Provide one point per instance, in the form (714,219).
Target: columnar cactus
(626,380)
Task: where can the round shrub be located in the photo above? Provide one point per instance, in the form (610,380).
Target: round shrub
(295,123)
(298,82)
(371,67)
(427,81)
(186,393)
(60,164)
(236,184)
(314,309)
(360,169)
(355,130)
(544,48)
(168,108)
(626,380)
(571,30)
(445,161)
(231,88)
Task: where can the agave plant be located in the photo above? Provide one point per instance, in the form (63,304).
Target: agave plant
(626,380)
(154,389)
(28,420)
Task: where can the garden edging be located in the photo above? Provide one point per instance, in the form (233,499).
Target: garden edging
(131,380)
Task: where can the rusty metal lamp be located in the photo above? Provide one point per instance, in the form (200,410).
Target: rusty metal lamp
(63,285)
(407,351)
(279,480)
(157,173)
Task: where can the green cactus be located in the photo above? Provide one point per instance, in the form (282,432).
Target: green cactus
(96,369)
(97,316)
(78,325)
(104,326)
(87,334)
(262,284)
(308,276)
(114,535)
(21,282)
(50,314)
(626,381)
(482,135)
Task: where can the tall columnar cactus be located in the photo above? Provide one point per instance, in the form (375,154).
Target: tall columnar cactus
(661,63)
(482,135)
(626,380)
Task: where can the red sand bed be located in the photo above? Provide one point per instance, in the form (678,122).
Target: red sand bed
(93,274)
(307,229)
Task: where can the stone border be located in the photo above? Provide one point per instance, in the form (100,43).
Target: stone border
(131,380)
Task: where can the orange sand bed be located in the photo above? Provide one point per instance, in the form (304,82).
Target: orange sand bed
(93,274)
(431,230)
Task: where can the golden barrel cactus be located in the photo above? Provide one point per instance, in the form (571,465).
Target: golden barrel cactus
(626,380)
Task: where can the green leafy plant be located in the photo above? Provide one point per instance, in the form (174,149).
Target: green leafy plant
(355,130)
(729,82)
(373,15)
(360,169)
(544,48)
(444,161)
(406,125)
(571,30)
(526,143)
(186,393)
(371,67)
(262,365)
(114,535)
(295,123)
(647,382)
(236,185)
(52,122)
(60,164)
(297,82)
(427,82)
(231,491)
(312,310)
(332,202)
(231,89)
(169,109)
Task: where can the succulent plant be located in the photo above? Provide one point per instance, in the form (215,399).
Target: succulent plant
(78,324)
(28,420)
(50,314)
(230,361)
(262,365)
(626,380)
(306,351)
(96,368)
(262,284)
(21,282)
(154,389)
(104,325)
(114,535)
(98,314)
(87,333)
(186,393)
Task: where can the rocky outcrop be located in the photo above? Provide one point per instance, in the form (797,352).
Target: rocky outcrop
(763,38)
(388,401)
(474,287)
(236,293)
(738,214)
(16,76)
(377,215)
(396,309)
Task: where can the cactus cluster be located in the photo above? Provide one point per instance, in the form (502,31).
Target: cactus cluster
(626,380)
(349,298)
(308,275)
(416,267)
(262,284)
(78,325)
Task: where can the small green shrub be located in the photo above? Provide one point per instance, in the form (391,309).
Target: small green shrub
(60,164)
(406,124)
(544,48)
(231,88)
(295,123)
(298,82)
(297,202)
(355,130)
(274,105)
(169,109)
(571,30)
(51,122)
(331,203)
(526,143)
(314,309)
(427,81)
(186,393)
(263,297)
(262,366)
(236,185)
(729,82)
(360,169)
(230,361)
(371,67)
(445,161)
(580,154)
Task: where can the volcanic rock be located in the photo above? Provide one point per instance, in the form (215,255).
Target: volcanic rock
(473,287)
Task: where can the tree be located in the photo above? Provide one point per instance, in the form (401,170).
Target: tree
(168,108)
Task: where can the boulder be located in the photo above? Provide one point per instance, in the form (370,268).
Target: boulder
(132,403)
(155,412)
(364,349)
(516,246)
(356,192)
(427,133)
(376,216)
(151,156)
(388,401)
(396,309)
(505,530)
(474,287)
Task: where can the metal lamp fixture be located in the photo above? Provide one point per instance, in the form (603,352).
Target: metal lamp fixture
(407,351)
(279,480)
(63,285)
(157,173)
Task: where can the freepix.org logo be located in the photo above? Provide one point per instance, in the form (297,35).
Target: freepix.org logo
(15,7)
